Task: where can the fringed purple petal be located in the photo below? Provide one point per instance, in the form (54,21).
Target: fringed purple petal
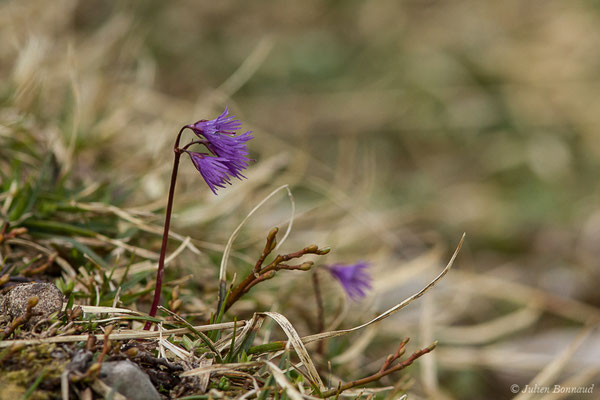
(222,124)
(231,151)
(354,278)
(213,170)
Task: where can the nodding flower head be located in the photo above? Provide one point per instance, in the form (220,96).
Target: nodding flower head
(229,152)
(222,124)
(354,278)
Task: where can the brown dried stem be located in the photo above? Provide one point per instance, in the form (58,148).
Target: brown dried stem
(94,369)
(387,368)
(74,313)
(30,271)
(260,273)
(320,310)
(12,234)
(269,246)
(107,345)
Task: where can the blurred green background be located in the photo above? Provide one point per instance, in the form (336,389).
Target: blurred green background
(399,125)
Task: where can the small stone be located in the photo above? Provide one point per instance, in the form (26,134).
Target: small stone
(128,379)
(80,361)
(50,300)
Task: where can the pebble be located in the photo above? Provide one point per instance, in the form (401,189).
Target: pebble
(128,379)
(81,361)
(50,301)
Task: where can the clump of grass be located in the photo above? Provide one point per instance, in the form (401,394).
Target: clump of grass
(65,224)
(100,257)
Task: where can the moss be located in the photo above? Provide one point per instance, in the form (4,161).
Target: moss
(20,371)
(10,390)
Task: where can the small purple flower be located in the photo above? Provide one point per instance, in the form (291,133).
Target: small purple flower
(213,169)
(354,278)
(230,151)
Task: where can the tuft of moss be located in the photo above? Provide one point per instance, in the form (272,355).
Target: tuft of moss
(19,373)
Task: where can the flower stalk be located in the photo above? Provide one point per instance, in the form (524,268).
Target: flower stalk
(227,157)
(320,310)
(165,237)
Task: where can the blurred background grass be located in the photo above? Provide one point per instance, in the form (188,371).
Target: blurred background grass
(398,124)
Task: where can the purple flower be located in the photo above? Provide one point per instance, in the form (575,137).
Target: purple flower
(230,151)
(354,278)
(213,169)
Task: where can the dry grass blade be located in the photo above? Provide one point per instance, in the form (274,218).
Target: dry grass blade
(247,68)
(346,202)
(252,326)
(106,391)
(150,265)
(71,273)
(109,319)
(138,334)
(105,310)
(393,310)
(503,289)
(220,368)
(128,215)
(498,357)
(282,381)
(296,342)
(291,223)
(131,249)
(64,385)
(489,331)
(248,394)
(429,373)
(178,351)
(178,250)
(355,393)
(580,379)
(204,379)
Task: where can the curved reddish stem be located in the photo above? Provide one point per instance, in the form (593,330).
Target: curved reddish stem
(163,249)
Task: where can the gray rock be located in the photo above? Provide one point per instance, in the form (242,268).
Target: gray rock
(81,361)
(129,380)
(50,301)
